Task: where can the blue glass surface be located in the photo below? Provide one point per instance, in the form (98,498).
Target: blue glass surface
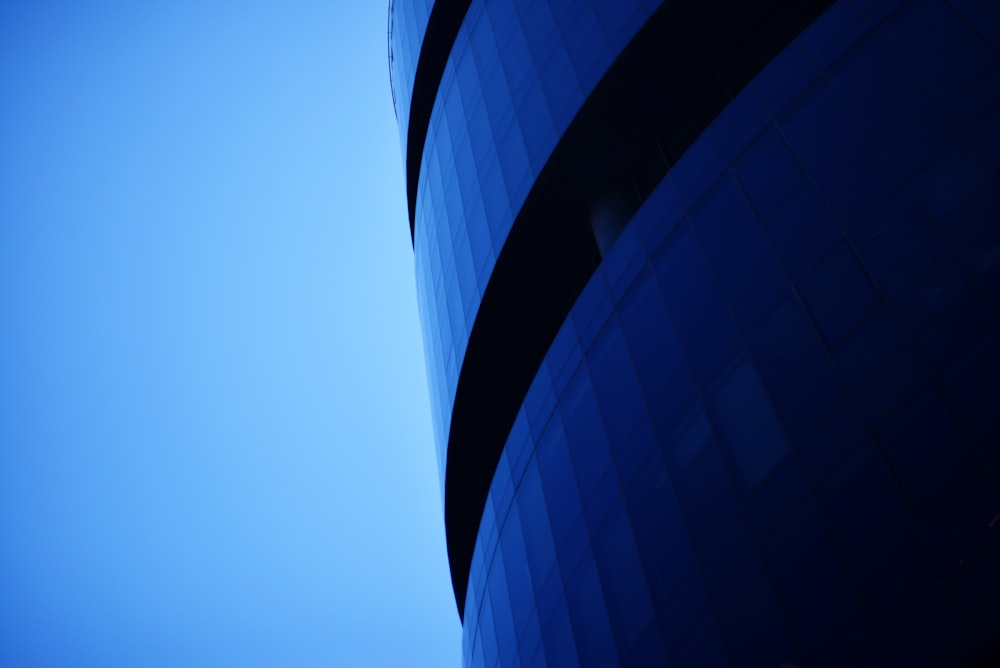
(517,74)
(765,433)
(407,26)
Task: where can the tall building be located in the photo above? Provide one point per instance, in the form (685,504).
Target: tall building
(711,304)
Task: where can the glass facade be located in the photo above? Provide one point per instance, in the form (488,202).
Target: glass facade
(407,27)
(518,73)
(766,432)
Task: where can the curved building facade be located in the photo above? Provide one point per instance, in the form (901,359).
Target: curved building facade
(711,305)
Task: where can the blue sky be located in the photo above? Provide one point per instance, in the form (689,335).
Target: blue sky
(215,446)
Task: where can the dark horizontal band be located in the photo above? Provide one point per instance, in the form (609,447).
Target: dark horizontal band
(679,72)
(442,29)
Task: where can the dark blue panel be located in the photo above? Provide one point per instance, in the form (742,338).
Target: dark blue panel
(722,554)
(650,337)
(685,610)
(860,354)
(519,581)
(558,481)
(716,348)
(882,91)
(928,452)
(838,293)
(879,541)
(703,648)
(911,261)
(796,371)
(602,500)
(589,613)
(805,569)
(838,434)
(648,651)
(674,404)
(660,533)
(845,166)
(618,394)
(689,289)
(973,390)
(626,591)
(582,417)
(752,623)
(968,549)
(783,491)
(487,634)
(701,477)
(746,423)
(539,546)
(560,644)
(732,237)
(899,376)
(506,633)
(769,173)
(539,403)
(802,231)
(765,433)
(762,295)
(962,59)
(549,597)
(960,190)
(983,15)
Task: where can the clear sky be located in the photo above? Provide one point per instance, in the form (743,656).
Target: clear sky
(215,446)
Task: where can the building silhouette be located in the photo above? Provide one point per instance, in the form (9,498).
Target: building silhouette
(710,296)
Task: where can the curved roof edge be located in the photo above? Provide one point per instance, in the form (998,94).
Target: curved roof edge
(388,44)
(442,30)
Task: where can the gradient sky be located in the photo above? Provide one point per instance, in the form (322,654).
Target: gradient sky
(215,447)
